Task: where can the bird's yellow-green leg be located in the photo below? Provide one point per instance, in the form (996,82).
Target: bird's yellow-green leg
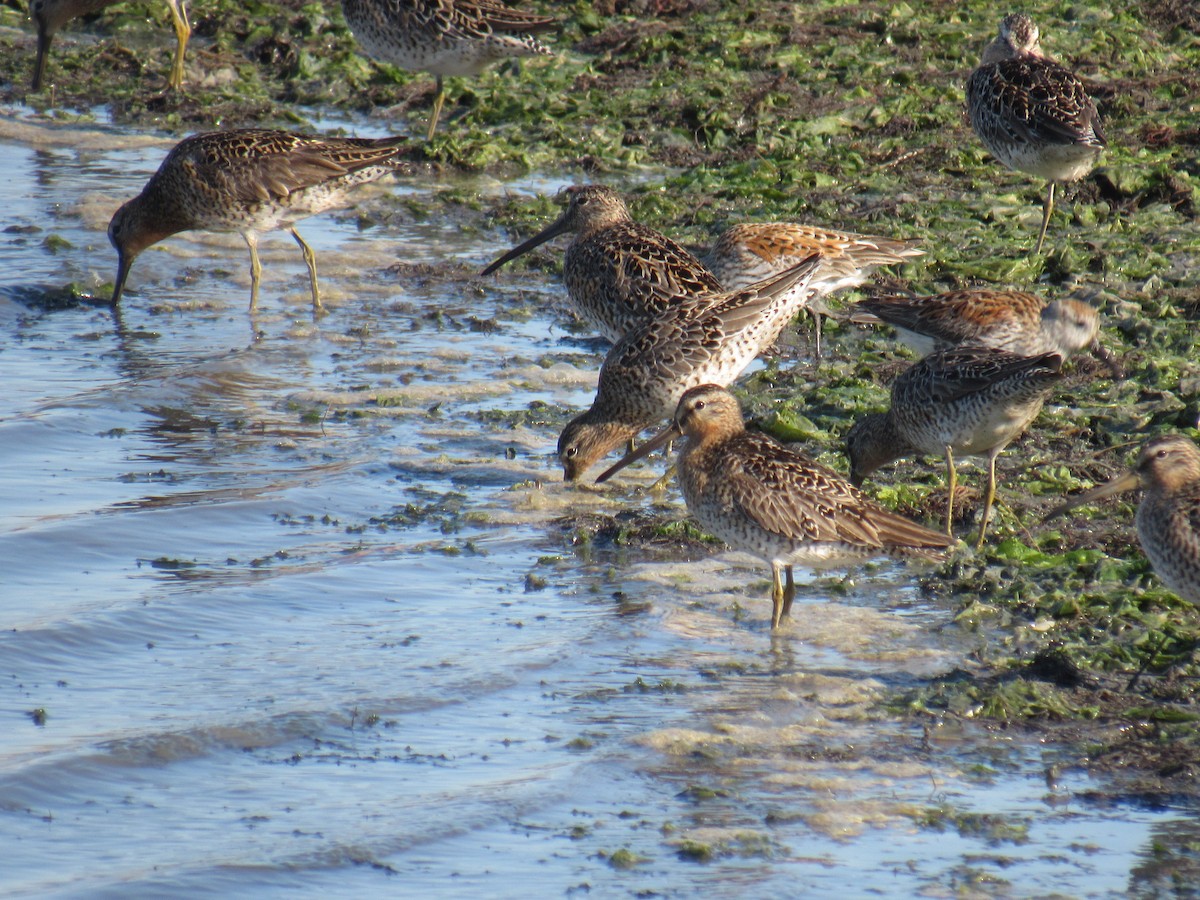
(437,108)
(255,268)
(183,32)
(789,594)
(952,478)
(989,499)
(776,595)
(310,260)
(1047,208)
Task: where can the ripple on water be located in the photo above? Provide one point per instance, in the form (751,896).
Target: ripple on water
(292,594)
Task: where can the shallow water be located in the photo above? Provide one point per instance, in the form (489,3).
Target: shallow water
(293,600)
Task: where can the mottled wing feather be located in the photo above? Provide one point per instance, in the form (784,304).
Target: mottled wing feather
(1036,100)
(804,500)
(271,165)
(942,378)
(499,17)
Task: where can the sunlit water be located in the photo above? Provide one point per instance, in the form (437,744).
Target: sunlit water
(292,598)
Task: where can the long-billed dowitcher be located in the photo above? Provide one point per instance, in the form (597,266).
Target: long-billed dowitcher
(247,181)
(51,15)
(761,497)
(750,252)
(1168,517)
(1016,321)
(444,37)
(968,400)
(698,339)
(1031,113)
(619,273)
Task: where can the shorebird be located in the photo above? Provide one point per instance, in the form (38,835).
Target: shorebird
(750,252)
(1015,321)
(51,15)
(444,37)
(972,401)
(247,181)
(1031,113)
(764,498)
(619,273)
(698,339)
(1168,517)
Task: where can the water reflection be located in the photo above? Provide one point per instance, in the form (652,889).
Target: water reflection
(293,593)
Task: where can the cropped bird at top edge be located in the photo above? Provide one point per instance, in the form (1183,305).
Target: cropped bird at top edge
(619,273)
(762,497)
(1031,113)
(247,181)
(50,15)
(1016,321)
(445,37)
(751,251)
(970,401)
(700,339)
(1168,517)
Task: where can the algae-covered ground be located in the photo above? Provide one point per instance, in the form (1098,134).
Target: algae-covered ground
(848,115)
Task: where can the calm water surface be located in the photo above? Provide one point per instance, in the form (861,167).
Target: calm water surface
(293,600)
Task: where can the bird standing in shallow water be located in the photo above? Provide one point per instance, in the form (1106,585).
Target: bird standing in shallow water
(51,15)
(444,37)
(766,499)
(247,181)
(1031,113)
(752,251)
(619,273)
(698,339)
(972,401)
(1168,517)
(1015,321)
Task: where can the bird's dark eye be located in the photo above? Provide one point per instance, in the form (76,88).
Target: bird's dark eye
(570,452)
(700,404)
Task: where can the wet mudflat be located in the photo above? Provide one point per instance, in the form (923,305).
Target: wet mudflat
(299,607)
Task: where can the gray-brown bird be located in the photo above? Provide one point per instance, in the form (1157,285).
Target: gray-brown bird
(247,181)
(1016,321)
(970,401)
(1168,517)
(50,15)
(445,37)
(764,498)
(1031,113)
(699,339)
(619,273)
(751,251)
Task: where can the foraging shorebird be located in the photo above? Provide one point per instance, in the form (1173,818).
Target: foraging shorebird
(764,498)
(1031,113)
(247,181)
(1168,517)
(619,273)
(51,15)
(698,339)
(444,37)
(1016,321)
(970,401)
(750,252)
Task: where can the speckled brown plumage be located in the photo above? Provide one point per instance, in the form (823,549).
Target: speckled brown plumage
(769,500)
(1016,321)
(619,273)
(752,251)
(50,15)
(1168,517)
(246,181)
(1031,113)
(970,401)
(444,37)
(697,339)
